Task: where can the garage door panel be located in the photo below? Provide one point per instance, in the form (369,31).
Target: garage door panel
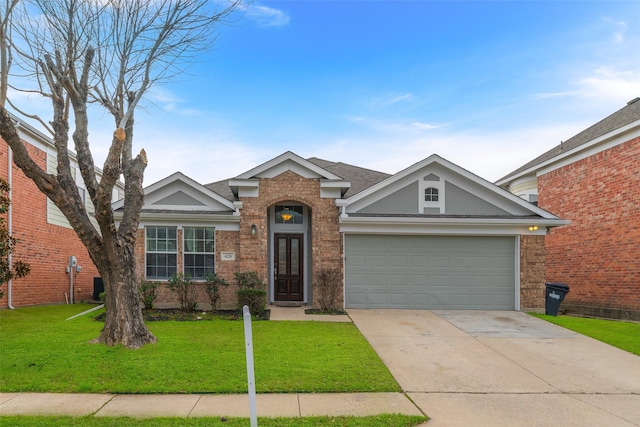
(432,272)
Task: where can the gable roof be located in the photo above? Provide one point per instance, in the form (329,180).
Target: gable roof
(616,121)
(489,189)
(248,182)
(358,178)
(178,192)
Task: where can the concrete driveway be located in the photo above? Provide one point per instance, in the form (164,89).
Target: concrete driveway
(479,368)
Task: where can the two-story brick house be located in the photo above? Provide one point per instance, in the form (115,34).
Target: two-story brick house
(593,180)
(432,236)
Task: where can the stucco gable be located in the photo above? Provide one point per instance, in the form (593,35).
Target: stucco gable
(460,193)
(179,193)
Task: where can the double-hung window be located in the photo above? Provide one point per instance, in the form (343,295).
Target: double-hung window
(199,251)
(161,252)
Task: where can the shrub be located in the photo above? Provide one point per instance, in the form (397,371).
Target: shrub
(101,296)
(149,293)
(182,285)
(249,280)
(251,292)
(328,283)
(213,286)
(255,299)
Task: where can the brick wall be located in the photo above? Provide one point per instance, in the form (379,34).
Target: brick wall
(226,241)
(326,242)
(532,272)
(598,254)
(252,252)
(46,247)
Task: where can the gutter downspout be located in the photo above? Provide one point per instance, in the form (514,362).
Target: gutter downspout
(10,221)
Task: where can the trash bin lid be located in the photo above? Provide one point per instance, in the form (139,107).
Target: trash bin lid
(558,286)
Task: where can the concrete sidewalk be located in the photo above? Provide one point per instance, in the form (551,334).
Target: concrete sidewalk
(205,405)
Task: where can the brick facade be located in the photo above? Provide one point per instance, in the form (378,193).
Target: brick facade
(252,251)
(598,254)
(532,272)
(326,241)
(44,246)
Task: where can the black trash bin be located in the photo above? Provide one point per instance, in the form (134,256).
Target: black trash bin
(555,295)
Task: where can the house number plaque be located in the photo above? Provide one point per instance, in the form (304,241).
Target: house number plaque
(228,256)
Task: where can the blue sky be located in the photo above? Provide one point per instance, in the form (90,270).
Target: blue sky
(487,85)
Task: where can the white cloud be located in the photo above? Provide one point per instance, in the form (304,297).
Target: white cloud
(606,84)
(397,126)
(619,29)
(390,99)
(267,16)
(610,83)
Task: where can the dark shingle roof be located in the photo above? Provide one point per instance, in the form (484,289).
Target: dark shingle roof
(360,178)
(622,117)
(222,188)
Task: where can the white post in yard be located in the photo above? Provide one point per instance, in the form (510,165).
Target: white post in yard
(248,338)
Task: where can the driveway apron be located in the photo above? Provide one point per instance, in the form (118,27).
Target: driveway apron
(503,368)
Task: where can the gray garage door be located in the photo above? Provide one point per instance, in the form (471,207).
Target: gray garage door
(431,272)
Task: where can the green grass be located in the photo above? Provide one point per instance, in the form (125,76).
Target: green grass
(371,421)
(624,335)
(43,352)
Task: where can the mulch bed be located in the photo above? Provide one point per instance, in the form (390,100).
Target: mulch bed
(327,312)
(159,315)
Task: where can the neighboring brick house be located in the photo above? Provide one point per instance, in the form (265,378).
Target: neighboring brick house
(46,240)
(433,236)
(593,180)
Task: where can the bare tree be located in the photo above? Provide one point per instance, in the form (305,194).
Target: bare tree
(109,53)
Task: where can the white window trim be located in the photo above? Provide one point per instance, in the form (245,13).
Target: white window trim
(184,250)
(146,251)
(422,187)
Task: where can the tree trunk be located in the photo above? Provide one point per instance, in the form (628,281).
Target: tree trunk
(124,322)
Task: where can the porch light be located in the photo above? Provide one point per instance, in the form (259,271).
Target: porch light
(286,215)
(254,229)
(533,227)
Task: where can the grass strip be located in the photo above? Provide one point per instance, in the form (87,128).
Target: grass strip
(624,335)
(44,352)
(370,421)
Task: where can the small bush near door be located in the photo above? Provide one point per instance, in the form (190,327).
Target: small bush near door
(327,286)
(251,292)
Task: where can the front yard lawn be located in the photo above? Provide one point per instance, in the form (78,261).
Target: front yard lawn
(624,335)
(43,352)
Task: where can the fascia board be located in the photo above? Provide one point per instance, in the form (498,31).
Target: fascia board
(615,137)
(178,217)
(241,182)
(335,184)
(546,222)
(446,226)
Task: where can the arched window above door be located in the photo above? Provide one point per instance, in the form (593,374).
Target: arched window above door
(289,214)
